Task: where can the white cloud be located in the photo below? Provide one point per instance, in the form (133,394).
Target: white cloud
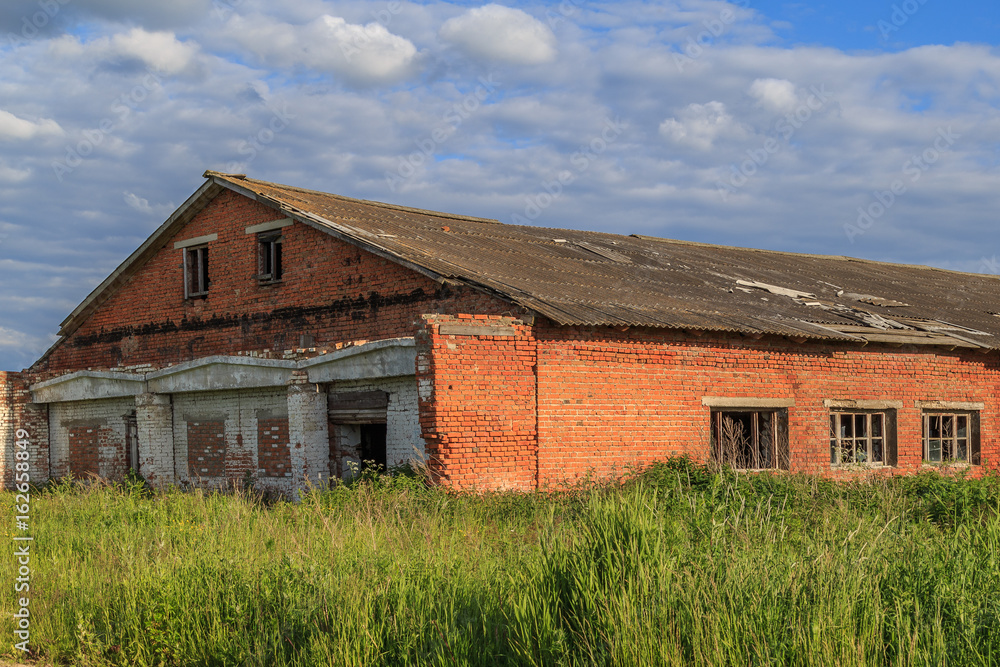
(142,205)
(20,341)
(9,175)
(161,51)
(774,94)
(362,53)
(495,32)
(12,127)
(699,125)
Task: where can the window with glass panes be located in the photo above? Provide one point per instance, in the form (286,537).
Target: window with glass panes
(858,437)
(951,436)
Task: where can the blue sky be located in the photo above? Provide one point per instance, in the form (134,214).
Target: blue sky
(869,129)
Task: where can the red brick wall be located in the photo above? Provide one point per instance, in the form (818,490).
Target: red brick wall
(477,404)
(330,290)
(273,455)
(608,400)
(206,444)
(84,450)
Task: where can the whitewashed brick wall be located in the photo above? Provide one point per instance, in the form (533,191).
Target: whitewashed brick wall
(109,413)
(239,410)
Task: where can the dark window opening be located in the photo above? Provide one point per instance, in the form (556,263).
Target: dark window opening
(132,443)
(951,437)
(195,272)
(269,269)
(750,439)
(372,447)
(863,436)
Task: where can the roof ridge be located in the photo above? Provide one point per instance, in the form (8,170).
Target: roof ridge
(369,202)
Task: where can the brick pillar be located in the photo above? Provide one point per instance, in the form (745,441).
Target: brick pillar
(154,416)
(308,432)
(476,390)
(25,422)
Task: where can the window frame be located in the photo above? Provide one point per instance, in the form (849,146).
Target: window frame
(973,451)
(887,437)
(269,256)
(197,254)
(776,426)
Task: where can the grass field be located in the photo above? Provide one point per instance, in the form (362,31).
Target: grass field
(679,565)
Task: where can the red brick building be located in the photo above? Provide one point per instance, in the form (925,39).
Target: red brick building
(280,334)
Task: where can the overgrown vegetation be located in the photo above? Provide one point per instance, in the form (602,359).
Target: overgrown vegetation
(678,565)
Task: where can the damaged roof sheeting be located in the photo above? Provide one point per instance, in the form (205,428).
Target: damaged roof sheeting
(592,278)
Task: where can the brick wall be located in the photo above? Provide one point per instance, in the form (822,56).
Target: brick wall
(217,437)
(89,437)
(19,415)
(331,291)
(608,400)
(273,456)
(477,402)
(84,448)
(206,445)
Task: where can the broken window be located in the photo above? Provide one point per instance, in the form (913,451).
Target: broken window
(951,437)
(863,436)
(195,271)
(269,257)
(750,439)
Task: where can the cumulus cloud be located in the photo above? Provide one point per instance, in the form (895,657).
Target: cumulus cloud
(774,94)
(364,54)
(14,128)
(161,51)
(699,125)
(495,32)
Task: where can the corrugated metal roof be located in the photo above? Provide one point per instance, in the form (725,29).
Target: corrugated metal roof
(591,278)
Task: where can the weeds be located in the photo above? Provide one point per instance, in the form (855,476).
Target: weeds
(681,565)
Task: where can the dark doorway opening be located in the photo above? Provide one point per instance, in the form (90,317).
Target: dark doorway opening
(372,447)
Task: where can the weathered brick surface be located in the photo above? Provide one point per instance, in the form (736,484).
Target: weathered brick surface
(331,291)
(273,457)
(155,430)
(24,422)
(477,403)
(84,449)
(225,426)
(89,437)
(608,400)
(206,445)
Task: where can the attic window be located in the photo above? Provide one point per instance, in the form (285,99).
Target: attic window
(196,272)
(269,269)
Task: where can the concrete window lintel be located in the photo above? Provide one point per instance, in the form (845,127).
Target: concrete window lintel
(198,240)
(861,404)
(746,402)
(269,226)
(950,405)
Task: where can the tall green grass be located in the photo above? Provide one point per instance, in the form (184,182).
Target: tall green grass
(678,565)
